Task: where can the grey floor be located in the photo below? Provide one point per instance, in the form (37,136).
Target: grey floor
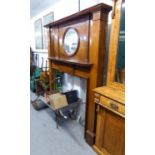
(46,139)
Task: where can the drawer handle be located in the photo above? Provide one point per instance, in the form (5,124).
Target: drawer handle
(98,108)
(97,95)
(96,100)
(114,106)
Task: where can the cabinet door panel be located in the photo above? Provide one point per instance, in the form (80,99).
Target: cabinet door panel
(110,132)
(114,132)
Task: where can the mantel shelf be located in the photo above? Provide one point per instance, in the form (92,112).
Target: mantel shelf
(70,62)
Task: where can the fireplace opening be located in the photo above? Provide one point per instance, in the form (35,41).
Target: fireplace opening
(70,83)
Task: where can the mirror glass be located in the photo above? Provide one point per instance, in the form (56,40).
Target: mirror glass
(120,62)
(71,41)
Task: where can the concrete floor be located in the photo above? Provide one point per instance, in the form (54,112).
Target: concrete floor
(46,139)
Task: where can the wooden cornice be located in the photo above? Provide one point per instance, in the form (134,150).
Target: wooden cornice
(99,7)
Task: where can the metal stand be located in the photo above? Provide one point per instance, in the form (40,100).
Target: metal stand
(70,112)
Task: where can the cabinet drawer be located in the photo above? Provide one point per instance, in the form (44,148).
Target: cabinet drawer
(96,98)
(113,105)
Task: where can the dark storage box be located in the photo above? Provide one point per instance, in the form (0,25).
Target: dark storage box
(72,96)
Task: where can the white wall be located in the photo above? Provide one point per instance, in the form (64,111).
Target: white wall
(44,55)
(87,3)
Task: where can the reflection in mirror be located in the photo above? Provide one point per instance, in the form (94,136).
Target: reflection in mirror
(120,62)
(71,41)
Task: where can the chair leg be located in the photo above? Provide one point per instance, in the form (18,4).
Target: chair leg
(57,118)
(56,115)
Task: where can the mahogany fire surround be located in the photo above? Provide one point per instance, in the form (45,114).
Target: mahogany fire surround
(88,62)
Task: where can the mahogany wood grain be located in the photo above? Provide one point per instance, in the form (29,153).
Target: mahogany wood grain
(50,48)
(63,68)
(102,7)
(99,127)
(112,110)
(56,39)
(115,106)
(110,126)
(72,63)
(111,93)
(80,72)
(88,60)
(51,42)
(96,57)
(110,101)
(114,134)
(110,133)
(82,29)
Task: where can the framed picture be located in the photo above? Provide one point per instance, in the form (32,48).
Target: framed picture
(38,34)
(47,19)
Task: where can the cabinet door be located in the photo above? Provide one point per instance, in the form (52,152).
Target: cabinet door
(110,133)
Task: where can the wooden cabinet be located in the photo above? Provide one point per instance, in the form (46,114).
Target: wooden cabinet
(110,99)
(110,121)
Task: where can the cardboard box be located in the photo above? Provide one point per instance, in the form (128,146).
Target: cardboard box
(58,101)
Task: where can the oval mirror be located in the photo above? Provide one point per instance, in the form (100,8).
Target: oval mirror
(71,41)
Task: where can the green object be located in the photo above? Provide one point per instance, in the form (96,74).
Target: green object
(36,75)
(32,85)
(58,80)
(37,72)
(121,43)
